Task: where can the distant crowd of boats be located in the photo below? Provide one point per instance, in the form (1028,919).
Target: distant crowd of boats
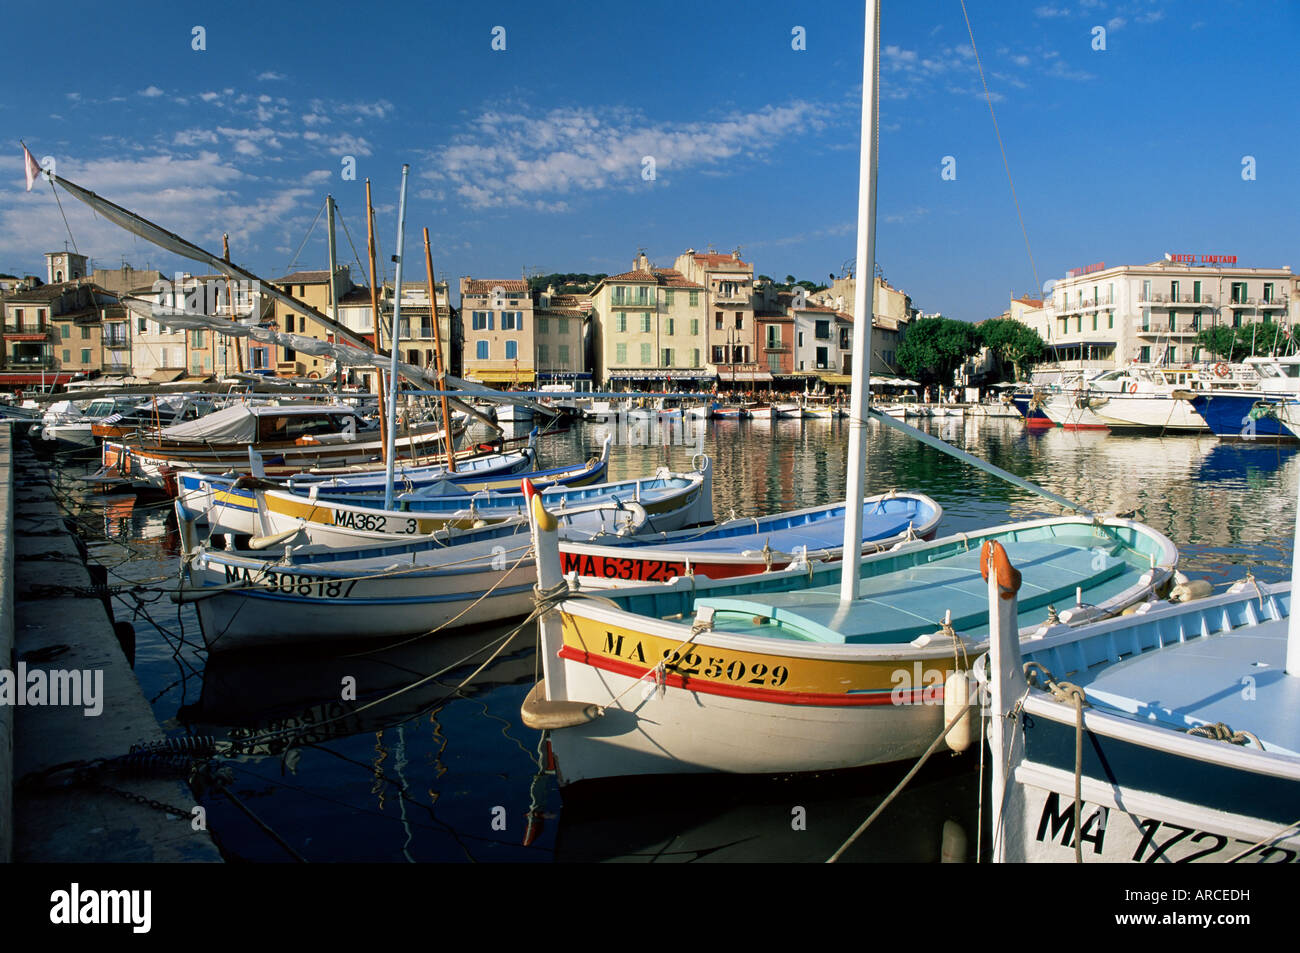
(1257,399)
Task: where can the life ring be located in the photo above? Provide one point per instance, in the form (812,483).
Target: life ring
(314,375)
(1222,370)
(1132,387)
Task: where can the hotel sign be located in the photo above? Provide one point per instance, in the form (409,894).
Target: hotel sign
(1085,270)
(1202,259)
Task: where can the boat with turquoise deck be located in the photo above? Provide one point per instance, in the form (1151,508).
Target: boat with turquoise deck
(774,674)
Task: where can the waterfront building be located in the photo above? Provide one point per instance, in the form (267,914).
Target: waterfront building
(311,288)
(499,331)
(563,335)
(416,340)
(1101,318)
(732,343)
(649,329)
(55,331)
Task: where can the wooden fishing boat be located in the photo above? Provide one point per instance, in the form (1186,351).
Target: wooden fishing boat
(1189,748)
(242,507)
(290,438)
(396,587)
(743,547)
(790,410)
(489,473)
(774,674)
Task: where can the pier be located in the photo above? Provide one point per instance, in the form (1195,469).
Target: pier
(57,633)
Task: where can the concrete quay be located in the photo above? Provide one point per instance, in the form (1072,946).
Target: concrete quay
(52,621)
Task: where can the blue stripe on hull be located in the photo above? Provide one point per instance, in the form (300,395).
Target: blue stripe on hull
(1136,768)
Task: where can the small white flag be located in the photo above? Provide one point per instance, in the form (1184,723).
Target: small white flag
(31,166)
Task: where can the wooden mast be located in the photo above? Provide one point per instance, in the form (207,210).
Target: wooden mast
(374,313)
(437,353)
(230,301)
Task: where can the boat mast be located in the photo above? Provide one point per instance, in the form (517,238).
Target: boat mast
(374,313)
(394,329)
(334,300)
(863,306)
(437,353)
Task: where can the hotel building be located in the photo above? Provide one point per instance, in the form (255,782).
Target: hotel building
(1099,318)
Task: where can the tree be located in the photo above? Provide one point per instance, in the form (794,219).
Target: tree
(1222,342)
(933,348)
(1013,343)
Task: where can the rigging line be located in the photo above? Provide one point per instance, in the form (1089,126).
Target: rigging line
(288,269)
(356,257)
(998,132)
(55,193)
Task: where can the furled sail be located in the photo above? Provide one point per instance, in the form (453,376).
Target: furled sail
(348,340)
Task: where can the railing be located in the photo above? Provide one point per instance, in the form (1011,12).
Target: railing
(117,340)
(1160,297)
(48,363)
(26,328)
(776,348)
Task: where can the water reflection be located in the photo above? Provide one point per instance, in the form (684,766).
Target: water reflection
(432,775)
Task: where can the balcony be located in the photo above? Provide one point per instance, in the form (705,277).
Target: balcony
(641,304)
(1166,329)
(116,340)
(776,348)
(26,330)
(1164,300)
(33,362)
(289,369)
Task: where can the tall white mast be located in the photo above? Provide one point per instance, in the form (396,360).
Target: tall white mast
(394,330)
(863,306)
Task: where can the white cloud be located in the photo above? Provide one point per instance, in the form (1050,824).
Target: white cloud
(513,159)
(151,91)
(269,75)
(1046,12)
(317,176)
(1115,23)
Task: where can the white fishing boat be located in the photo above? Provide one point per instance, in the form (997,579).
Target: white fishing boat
(789,410)
(390,588)
(1165,737)
(1143,397)
(239,507)
(744,547)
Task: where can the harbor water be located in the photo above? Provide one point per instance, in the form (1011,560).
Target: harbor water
(419,769)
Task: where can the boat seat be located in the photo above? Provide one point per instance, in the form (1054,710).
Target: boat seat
(901,605)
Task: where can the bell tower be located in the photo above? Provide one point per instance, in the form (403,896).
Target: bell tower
(64,266)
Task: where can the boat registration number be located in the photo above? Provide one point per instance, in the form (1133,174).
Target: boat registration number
(1148,840)
(293,584)
(375,523)
(611,567)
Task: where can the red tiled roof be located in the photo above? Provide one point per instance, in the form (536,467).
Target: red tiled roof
(708,258)
(305,278)
(1036,302)
(671,278)
(562,312)
(484,286)
(634,276)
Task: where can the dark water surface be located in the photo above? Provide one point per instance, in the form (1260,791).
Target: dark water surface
(433,775)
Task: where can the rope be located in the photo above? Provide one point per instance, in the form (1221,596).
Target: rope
(1066,692)
(289,267)
(1218,731)
(934,746)
(998,132)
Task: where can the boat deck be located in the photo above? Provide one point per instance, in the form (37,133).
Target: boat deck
(1237,678)
(902,605)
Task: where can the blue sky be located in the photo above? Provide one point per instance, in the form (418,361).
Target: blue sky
(532,157)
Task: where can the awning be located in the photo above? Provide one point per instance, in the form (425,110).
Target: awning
(837,380)
(657,373)
(49,379)
(523,376)
(743,377)
(166,376)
